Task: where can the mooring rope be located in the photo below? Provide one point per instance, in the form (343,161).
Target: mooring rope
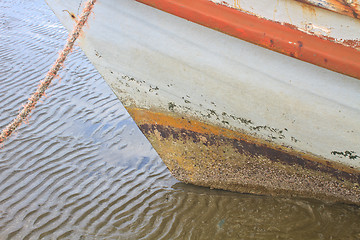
(52,73)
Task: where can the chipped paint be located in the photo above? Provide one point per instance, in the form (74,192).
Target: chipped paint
(217,157)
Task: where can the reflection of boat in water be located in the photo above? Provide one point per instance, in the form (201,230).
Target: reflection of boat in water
(278,113)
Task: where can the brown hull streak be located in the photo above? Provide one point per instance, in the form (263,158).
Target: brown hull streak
(216,157)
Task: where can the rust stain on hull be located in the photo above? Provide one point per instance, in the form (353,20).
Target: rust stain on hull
(216,157)
(308,9)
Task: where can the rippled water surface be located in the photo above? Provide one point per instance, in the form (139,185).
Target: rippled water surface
(80,168)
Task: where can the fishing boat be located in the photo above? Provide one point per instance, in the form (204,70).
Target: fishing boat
(257,97)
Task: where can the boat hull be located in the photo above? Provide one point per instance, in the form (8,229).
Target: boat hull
(225,113)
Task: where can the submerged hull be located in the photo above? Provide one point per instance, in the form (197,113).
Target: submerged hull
(229,114)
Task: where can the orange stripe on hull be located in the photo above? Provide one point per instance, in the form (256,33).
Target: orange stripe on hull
(272,35)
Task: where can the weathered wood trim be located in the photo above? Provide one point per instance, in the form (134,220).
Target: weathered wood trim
(272,35)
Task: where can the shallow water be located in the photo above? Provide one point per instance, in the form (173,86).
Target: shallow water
(80,168)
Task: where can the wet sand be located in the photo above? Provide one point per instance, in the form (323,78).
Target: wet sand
(81,169)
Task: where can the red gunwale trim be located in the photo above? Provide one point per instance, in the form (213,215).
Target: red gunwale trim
(266,33)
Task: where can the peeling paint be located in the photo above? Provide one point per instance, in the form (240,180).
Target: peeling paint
(350,8)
